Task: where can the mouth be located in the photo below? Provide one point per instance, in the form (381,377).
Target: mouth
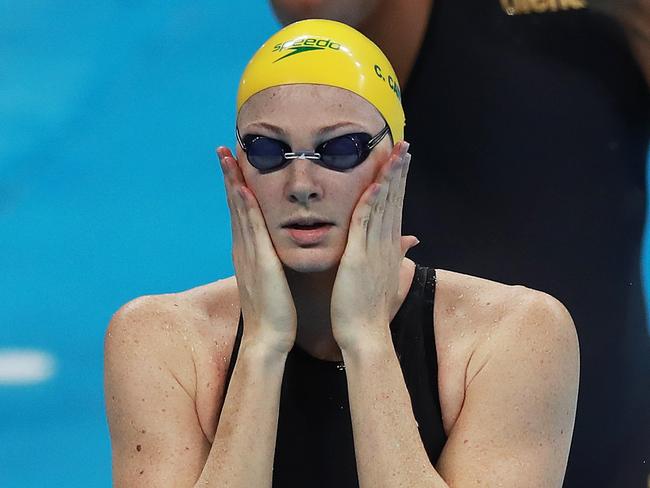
(308,234)
(316,225)
(306,223)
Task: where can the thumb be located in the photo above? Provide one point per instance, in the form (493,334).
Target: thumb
(407,242)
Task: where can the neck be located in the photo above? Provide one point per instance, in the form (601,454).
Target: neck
(398,28)
(312,295)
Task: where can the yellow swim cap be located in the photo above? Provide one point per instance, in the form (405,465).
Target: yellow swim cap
(325,52)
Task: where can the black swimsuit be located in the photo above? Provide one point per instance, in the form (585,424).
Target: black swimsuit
(315,446)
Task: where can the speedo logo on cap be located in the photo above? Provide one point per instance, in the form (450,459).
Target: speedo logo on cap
(299,46)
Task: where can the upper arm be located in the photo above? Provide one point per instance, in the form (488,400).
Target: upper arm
(640,46)
(516,422)
(156,438)
(634,18)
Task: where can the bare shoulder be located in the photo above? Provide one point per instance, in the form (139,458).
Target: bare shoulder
(475,317)
(163,354)
(512,370)
(176,326)
(481,306)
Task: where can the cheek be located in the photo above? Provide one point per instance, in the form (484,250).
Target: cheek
(381,153)
(263,194)
(348,196)
(268,195)
(369,170)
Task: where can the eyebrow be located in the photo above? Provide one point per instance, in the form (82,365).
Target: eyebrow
(333,127)
(267,126)
(323,130)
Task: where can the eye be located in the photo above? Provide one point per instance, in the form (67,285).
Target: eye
(344,152)
(254,139)
(264,152)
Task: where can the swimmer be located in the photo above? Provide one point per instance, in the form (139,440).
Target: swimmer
(330,358)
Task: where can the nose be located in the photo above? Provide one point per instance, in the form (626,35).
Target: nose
(302,185)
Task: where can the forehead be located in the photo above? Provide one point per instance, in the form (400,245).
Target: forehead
(307,103)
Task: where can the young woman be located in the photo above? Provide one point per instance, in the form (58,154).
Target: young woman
(330,359)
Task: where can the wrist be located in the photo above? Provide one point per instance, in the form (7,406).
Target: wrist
(369,344)
(263,352)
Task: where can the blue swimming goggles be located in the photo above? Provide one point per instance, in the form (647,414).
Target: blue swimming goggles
(339,154)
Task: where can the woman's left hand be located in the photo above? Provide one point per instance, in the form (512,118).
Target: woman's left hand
(366,285)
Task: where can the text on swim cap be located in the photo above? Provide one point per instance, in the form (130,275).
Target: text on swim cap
(517,7)
(392,83)
(303,45)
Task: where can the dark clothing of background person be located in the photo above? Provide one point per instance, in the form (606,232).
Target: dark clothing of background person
(529,136)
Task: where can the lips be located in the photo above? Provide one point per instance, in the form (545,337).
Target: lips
(307,226)
(306,223)
(305,235)
(308,230)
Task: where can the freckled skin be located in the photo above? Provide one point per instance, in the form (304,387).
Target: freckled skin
(335,193)
(196,344)
(465,322)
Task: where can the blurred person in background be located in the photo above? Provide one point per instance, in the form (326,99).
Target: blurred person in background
(529,122)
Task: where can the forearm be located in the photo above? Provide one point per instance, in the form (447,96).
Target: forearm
(244,445)
(388,447)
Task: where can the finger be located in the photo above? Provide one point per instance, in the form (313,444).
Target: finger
(247,244)
(399,208)
(223,151)
(377,213)
(231,197)
(260,238)
(225,158)
(392,199)
(233,176)
(358,232)
(255,235)
(238,250)
(406,243)
(373,233)
(232,171)
(224,154)
(241,227)
(362,215)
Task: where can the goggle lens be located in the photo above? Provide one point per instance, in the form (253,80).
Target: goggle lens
(344,152)
(340,153)
(265,153)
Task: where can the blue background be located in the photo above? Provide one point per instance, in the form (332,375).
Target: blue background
(109,189)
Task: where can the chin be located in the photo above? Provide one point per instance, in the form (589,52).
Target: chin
(310,260)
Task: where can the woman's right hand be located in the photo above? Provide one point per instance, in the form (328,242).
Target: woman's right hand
(265,298)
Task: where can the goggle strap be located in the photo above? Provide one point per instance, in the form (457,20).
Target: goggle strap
(241,143)
(302,155)
(375,140)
